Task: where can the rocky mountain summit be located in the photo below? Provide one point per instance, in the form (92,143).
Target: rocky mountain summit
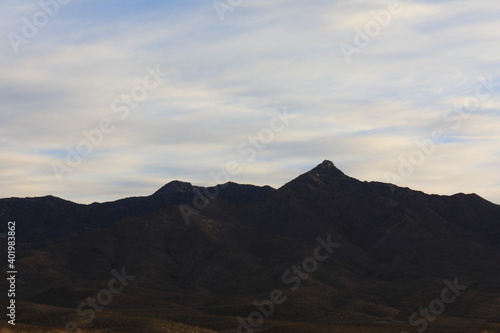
(206,259)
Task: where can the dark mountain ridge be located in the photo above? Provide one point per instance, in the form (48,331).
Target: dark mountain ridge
(51,217)
(397,247)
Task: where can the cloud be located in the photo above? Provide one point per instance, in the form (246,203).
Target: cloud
(227,80)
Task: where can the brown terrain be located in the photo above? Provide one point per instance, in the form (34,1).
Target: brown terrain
(323,253)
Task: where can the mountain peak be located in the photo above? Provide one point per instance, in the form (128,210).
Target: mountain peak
(324,174)
(176,185)
(327,168)
(327,163)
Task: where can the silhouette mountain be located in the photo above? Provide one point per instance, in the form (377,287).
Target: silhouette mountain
(202,256)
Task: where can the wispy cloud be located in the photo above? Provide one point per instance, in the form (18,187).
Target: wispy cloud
(226,79)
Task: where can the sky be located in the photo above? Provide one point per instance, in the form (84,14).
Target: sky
(101,100)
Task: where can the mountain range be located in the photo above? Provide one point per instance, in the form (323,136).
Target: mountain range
(323,253)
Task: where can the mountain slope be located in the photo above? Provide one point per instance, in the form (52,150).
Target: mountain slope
(396,247)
